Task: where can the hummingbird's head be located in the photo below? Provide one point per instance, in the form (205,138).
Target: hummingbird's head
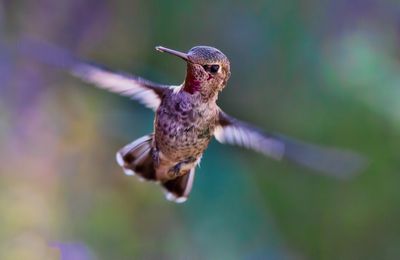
(208,70)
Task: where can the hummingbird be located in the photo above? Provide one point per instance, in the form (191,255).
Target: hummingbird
(187,117)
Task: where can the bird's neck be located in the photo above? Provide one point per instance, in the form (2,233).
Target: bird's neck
(192,85)
(207,94)
(196,83)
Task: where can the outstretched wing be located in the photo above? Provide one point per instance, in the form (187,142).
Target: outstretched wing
(331,161)
(144,91)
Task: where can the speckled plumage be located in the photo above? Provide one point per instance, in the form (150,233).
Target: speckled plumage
(183,128)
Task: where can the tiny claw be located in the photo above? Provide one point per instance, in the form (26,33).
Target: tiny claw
(175,171)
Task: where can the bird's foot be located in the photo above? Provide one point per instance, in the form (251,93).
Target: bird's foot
(174,171)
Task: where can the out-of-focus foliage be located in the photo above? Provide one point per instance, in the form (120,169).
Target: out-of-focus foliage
(322,71)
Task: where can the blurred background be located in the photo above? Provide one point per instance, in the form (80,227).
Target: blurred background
(322,71)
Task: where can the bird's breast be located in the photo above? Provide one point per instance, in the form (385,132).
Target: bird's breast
(183,129)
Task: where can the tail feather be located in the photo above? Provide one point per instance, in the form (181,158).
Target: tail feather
(136,158)
(178,189)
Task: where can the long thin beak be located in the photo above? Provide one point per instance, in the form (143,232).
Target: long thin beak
(173,52)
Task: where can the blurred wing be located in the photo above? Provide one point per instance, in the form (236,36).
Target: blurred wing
(330,161)
(144,91)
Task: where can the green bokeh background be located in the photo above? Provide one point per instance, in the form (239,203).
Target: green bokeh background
(321,71)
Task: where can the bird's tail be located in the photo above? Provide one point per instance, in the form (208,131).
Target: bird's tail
(136,158)
(178,189)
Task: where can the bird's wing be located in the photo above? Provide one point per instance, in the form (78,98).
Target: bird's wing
(331,161)
(144,91)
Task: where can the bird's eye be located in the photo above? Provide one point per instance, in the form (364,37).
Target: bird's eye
(211,68)
(214,68)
